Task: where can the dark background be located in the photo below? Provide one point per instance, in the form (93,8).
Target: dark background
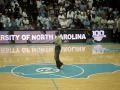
(115,3)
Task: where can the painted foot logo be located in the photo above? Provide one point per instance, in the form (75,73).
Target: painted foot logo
(47,70)
(50,70)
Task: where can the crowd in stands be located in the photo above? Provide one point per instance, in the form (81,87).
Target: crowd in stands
(57,14)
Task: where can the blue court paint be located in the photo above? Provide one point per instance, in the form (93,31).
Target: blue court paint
(6,69)
(50,70)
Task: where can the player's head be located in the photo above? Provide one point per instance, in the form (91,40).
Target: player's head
(57,33)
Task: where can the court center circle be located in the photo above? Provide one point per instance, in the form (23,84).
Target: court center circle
(47,71)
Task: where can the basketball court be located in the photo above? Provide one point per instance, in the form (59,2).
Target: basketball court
(86,67)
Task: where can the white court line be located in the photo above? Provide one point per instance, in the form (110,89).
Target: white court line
(12,71)
(60,76)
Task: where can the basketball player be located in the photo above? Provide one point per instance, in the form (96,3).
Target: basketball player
(58,43)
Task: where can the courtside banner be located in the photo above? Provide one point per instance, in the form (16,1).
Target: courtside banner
(47,36)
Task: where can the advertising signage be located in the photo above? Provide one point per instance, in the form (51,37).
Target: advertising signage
(68,36)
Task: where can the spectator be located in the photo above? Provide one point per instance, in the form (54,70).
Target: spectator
(1,23)
(5,21)
(64,23)
(55,23)
(39,21)
(9,11)
(43,21)
(118,30)
(83,16)
(18,21)
(61,2)
(94,26)
(61,17)
(90,4)
(83,6)
(93,11)
(104,22)
(115,12)
(67,5)
(70,16)
(26,23)
(86,13)
(110,24)
(48,23)
(24,14)
(39,3)
(14,3)
(16,11)
(98,19)
(25,4)
(13,24)
(77,14)
(77,3)
(115,30)
(86,23)
(62,9)
(78,24)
